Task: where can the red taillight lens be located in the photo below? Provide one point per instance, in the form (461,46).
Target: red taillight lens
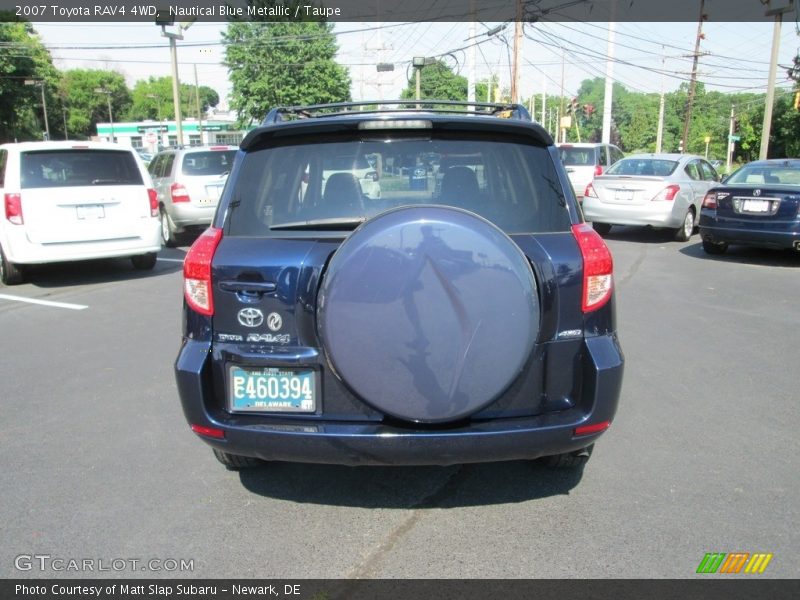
(197,272)
(13,204)
(598,170)
(710,200)
(211,432)
(668,193)
(598,267)
(178,193)
(153,195)
(589,191)
(594,428)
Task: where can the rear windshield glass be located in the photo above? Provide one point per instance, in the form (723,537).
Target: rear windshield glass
(214,162)
(578,157)
(781,174)
(76,167)
(643,166)
(310,186)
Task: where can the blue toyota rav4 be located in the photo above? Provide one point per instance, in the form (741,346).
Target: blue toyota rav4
(465,315)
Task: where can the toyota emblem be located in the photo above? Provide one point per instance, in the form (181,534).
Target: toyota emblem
(250,317)
(756,192)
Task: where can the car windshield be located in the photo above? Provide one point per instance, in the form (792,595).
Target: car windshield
(292,187)
(759,175)
(658,167)
(76,167)
(213,162)
(577,157)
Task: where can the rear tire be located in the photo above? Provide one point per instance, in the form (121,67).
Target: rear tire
(569,460)
(168,233)
(10,274)
(144,262)
(602,228)
(684,232)
(234,462)
(715,247)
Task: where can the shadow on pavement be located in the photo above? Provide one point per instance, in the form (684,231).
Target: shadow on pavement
(647,235)
(55,275)
(746,255)
(410,487)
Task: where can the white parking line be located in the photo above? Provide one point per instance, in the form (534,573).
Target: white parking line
(43,302)
(180,260)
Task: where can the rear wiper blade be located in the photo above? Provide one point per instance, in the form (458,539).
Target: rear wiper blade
(331,223)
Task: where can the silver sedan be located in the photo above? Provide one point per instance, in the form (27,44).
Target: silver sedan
(660,190)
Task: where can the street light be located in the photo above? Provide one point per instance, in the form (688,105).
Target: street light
(163,19)
(40,83)
(108,99)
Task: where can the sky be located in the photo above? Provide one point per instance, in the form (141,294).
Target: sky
(650,56)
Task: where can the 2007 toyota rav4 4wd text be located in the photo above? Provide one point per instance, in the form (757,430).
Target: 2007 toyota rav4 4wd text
(464,316)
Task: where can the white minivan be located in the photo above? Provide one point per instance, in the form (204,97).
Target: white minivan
(69,201)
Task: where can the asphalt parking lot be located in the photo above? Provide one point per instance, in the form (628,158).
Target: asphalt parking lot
(98,462)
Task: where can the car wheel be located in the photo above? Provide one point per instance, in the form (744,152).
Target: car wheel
(714,247)
(234,462)
(10,274)
(601,228)
(569,460)
(144,262)
(168,234)
(684,232)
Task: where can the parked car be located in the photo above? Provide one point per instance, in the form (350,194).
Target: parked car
(359,166)
(189,182)
(145,156)
(585,161)
(68,201)
(661,190)
(758,205)
(319,327)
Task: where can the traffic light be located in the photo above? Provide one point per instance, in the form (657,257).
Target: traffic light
(588,109)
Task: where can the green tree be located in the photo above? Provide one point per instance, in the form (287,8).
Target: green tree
(24,58)
(152,99)
(438,82)
(274,63)
(86,106)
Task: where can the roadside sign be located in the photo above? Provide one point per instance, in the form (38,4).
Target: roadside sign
(151,138)
(734,138)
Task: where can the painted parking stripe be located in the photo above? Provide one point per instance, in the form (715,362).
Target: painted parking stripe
(180,260)
(43,302)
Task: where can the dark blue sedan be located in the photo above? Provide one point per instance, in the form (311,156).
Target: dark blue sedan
(756,206)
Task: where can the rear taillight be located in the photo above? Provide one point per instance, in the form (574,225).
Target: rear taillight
(598,170)
(589,191)
(153,202)
(178,193)
(668,193)
(710,200)
(598,267)
(371,175)
(197,272)
(13,204)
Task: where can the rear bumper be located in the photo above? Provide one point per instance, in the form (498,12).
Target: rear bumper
(187,214)
(20,250)
(316,440)
(654,213)
(779,235)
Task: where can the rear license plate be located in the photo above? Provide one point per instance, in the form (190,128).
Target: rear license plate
(623,195)
(91,211)
(755,206)
(271,390)
(213,192)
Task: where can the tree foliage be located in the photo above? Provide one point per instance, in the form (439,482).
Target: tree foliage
(24,58)
(152,99)
(438,82)
(86,106)
(280,63)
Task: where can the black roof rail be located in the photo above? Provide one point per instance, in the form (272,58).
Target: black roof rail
(506,110)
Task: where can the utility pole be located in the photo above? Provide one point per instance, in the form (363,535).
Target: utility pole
(544,99)
(660,131)
(693,82)
(517,52)
(471,56)
(730,140)
(197,102)
(776,41)
(609,89)
(561,133)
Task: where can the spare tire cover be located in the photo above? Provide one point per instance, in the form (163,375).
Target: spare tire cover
(428,313)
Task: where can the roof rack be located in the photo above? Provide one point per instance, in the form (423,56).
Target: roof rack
(505,110)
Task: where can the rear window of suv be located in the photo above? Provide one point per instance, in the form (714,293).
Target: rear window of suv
(512,183)
(77,167)
(214,162)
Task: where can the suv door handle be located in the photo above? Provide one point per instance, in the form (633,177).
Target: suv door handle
(248,287)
